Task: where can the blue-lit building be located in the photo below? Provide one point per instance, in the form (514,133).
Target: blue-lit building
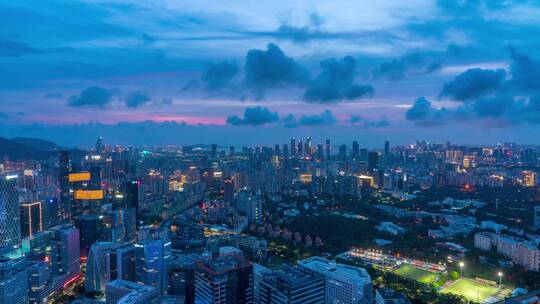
(10,217)
(13,281)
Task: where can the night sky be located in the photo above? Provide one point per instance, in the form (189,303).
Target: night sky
(257,72)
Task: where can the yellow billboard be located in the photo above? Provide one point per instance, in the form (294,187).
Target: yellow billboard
(79,177)
(88,194)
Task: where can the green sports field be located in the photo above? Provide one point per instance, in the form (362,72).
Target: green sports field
(416,274)
(473,290)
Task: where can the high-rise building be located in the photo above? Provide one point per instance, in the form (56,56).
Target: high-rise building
(373,161)
(293,147)
(327,147)
(31,218)
(386,147)
(13,281)
(343,152)
(126,292)
(65,251)
(181,276)
(536,218)
(126,262)
(529,178)
(40,282)
(64,168)
(291,285)
(250,204)
(10,225)
(100,264)
(151,258)
(355,150)
(343,283)
(88,231)
(226,279)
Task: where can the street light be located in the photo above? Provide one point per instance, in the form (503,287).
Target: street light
(461,264)
(500,279)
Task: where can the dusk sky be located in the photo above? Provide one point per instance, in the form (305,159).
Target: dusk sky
(258,72)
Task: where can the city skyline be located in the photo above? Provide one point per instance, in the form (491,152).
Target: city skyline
(402,70)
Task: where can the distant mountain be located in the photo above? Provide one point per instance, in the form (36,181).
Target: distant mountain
(15,150)
(36,143)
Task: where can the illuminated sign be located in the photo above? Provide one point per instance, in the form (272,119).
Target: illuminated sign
(79,177)
(88,194)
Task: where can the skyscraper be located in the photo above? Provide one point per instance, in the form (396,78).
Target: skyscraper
(151,258)
(10,225)
(64,168)
(386,147)
(355,150)
(31,218)
(13,281)
(327,149)
(65,251)
(536,217)
(126,292)
(98,266)
(373,160)
(293,147)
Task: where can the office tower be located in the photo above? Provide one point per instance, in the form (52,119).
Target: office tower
(10,219)
(64,168)
(228,192)
(363,154)
(249,204)
(300,149)
(293,147)
(88,231)
(373,161)
(131,198)
(51,212)
(308,146)
(213,150)
(65,251)
(290,285)
(285,150)
(343,152)
(126,262)
(226,279)
(31,218)
(386,147)
(99,145)
(258,275)
(126,292)
(327,146)
(536,217)
(320,152)
(13,281)
(99,266)
(277,150)
(343,283)
(181,276)
(151,258)
(40,282)
(355,150)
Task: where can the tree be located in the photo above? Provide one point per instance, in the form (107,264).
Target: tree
(454,275)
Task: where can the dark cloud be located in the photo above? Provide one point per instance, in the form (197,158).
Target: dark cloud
(54,95)
(256,116)
(136,98)
(336,82)
(414,63)
(423,113)
(148,39)
(218,75)
(525,71)
(92,96)
(368,123)
(11,48)
(473,83)
(166,101)
(271,68)
(326,118)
